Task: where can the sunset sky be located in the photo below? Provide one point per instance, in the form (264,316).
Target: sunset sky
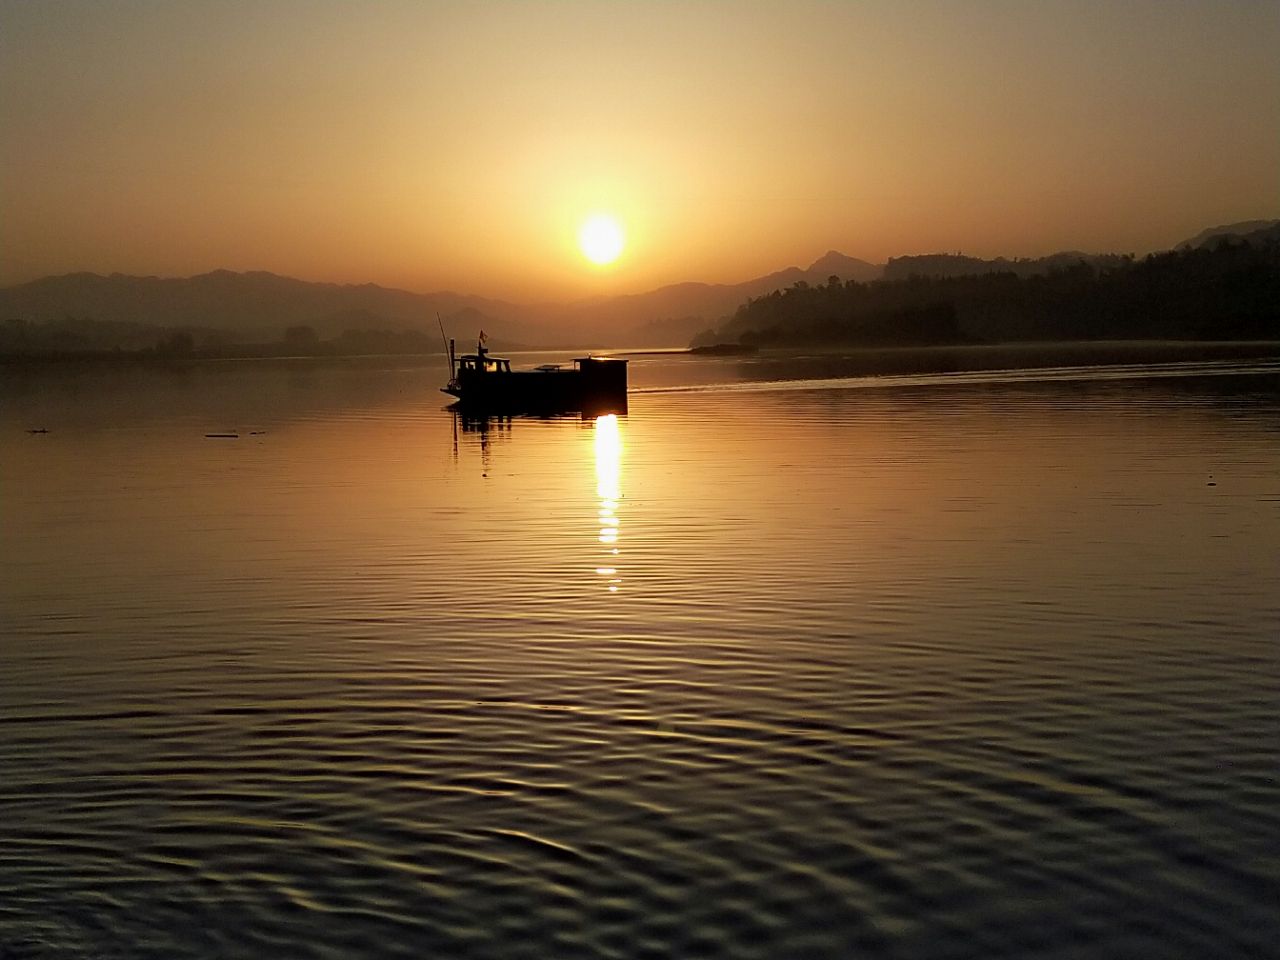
(462,145)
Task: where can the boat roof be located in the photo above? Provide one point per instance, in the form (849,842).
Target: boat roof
(490,356)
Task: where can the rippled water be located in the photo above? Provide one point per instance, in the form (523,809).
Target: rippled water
(950,666)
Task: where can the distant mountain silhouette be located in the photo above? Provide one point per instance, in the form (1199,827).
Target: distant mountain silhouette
(125,311)
(832,263)
(253,305)
(941,265)
(260,306)
(828,265)
(1224,289)
(672,314)
(1252,230)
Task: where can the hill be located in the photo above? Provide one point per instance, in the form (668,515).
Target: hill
(248,305)
(956,265)
(1223,291)
(673,314)
(1252,230)
(117,311)
(258,306)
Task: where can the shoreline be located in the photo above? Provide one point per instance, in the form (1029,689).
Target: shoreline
(871,359)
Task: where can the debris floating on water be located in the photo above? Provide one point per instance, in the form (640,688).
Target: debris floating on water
(223,436)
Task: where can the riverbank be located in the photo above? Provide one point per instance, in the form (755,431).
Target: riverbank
(1008,356)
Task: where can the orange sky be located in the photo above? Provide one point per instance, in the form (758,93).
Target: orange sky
(460,145)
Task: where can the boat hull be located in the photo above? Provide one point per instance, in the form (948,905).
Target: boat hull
(593,387)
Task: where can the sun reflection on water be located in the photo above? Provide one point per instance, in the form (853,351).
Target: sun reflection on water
(608,438)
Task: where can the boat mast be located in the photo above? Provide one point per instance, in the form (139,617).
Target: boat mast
(448,345)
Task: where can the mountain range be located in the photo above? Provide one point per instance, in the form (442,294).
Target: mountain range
(259,306)
(1255,231)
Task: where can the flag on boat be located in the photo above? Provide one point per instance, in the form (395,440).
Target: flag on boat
(483,337)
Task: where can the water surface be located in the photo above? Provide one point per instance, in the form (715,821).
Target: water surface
(926,666)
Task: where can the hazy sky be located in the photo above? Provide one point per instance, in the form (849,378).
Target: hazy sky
(440,145)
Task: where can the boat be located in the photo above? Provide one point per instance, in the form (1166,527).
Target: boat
(482,382)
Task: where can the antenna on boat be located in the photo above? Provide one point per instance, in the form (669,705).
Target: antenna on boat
(448,347)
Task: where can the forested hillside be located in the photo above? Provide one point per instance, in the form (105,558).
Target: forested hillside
(1227,291)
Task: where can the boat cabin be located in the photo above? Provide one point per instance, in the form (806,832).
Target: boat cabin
(481,362)
(592,385)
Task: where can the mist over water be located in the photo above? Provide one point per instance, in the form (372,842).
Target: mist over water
(943,665)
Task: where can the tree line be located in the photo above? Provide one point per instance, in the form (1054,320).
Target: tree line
(1226,291)
(86,338)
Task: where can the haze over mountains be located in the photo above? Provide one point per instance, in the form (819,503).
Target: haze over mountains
(1254,231)
(259,306)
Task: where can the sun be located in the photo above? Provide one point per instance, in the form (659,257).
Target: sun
(601,239)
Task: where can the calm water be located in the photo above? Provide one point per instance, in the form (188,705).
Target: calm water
(959,666)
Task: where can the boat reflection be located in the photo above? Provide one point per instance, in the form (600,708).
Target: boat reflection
(608,444)
(482,425)
(484,429)
(483,432)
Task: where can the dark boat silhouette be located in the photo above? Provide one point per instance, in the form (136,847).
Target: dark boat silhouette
(482,382)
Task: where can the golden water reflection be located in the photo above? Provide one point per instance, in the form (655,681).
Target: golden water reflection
(608,441)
